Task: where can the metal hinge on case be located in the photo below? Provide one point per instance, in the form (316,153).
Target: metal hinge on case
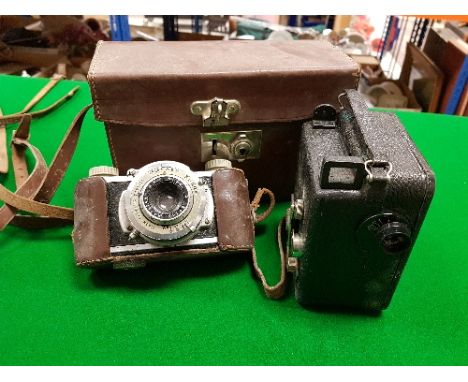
(216,111)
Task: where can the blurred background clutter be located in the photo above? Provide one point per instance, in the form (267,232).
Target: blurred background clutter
(413,63)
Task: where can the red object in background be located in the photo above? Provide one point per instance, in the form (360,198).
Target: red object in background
(375,43)
(361,25)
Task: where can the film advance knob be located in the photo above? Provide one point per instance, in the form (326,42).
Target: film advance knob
(103,171)
(214,164)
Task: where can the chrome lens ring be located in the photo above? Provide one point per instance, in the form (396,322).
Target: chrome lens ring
(155,227)
(166,199)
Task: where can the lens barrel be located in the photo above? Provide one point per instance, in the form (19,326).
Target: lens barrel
(165,199)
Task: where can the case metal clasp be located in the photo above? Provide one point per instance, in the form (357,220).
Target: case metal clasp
(216,111)
(232,145)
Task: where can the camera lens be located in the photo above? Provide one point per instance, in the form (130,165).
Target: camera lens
(395,237)
(165,199)
(166,203)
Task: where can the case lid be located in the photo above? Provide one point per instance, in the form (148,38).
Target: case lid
(155,83)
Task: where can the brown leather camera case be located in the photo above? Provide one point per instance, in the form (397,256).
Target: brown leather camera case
(144,93)
(91,234)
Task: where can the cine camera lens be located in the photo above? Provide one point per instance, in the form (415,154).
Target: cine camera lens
(394,237)
(165,199)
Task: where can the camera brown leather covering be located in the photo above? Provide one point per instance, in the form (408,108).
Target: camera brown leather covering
(91,231)
(143,92)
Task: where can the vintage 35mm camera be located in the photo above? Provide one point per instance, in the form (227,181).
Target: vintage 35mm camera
(361,195)
(162,210)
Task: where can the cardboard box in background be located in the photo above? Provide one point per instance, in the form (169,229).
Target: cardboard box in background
(449,52)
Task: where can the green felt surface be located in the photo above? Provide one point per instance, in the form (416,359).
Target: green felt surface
(213,311)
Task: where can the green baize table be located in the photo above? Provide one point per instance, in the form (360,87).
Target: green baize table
(213,311)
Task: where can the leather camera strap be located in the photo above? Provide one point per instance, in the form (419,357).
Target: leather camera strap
(3,147)
(16,117)
(13,118)
(35,190)
(272,291)
(255,204)
(41,94)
